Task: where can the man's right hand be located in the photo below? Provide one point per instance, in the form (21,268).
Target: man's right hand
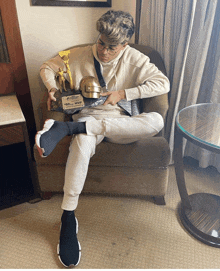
(51,98)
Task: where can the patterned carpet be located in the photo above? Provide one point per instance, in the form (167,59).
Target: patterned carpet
(114,232)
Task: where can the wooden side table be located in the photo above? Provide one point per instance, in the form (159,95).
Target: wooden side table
(199,212)
(13,129)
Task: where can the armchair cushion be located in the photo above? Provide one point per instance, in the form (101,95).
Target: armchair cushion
(149,153)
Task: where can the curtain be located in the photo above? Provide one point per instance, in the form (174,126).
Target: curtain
(186,34)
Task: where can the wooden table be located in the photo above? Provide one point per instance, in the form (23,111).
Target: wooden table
(13,129)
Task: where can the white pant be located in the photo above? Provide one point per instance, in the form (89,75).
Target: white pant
(121,130)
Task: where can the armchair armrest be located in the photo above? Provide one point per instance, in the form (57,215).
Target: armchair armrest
(157,104)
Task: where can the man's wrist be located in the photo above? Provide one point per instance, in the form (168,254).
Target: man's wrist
(52,90)
(122,94)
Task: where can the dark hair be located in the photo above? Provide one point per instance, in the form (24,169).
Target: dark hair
(117,26)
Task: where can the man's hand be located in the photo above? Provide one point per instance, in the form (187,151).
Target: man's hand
(51,98)
(114,96)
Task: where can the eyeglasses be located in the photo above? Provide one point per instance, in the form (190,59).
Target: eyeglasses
(101,46)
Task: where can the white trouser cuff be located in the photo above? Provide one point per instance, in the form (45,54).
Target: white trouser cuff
(69,202)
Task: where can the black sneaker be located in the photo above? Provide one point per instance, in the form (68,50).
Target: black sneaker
(69,249)
(53,131)
(47,139)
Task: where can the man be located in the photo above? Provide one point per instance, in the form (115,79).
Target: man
(129,76)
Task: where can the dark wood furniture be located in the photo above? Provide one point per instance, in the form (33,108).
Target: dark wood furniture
(13,129)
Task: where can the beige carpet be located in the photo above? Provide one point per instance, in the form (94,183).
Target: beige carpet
(114,232)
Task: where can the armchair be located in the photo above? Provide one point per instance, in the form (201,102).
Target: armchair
(139,168)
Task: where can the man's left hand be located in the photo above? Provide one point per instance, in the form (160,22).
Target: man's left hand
(114,96)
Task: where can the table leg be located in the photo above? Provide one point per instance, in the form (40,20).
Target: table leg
(179,169)
(199,213)
(30,162)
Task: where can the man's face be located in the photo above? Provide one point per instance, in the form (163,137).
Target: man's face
(107,52)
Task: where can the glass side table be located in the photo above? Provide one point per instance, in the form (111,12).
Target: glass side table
(200,212)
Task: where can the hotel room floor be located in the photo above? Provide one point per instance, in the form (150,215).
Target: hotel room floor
(114,232)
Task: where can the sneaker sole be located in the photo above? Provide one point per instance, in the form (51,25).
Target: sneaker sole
(58,248)
(47,125)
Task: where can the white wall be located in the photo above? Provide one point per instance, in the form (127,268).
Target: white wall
(47,30)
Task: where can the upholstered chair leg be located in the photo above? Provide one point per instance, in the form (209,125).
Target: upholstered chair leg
(160,200)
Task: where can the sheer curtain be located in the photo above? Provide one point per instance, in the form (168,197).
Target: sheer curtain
(186,34)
